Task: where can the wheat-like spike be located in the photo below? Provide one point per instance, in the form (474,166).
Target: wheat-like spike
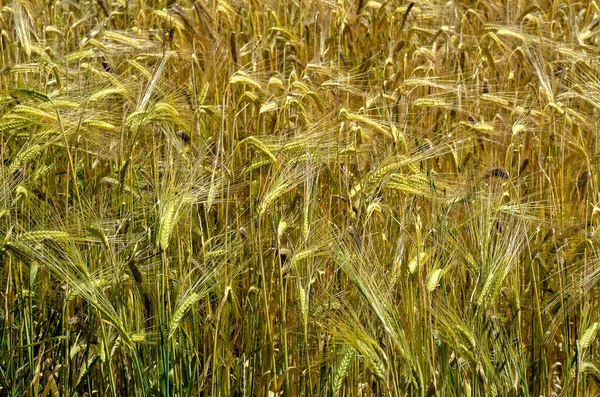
(300,143)
(344,114)
(582,119)
(342,369)
(298,85)
(5,98)
(491,287)
(494,99)
(78,56)
(31,111)
(270,106)
(426,52)
(275,83)
(140,68)
(106,92)
(21,251)
(399,140)
(137,337)
(22,157)
(483,127)
(35,94)
(319,69)
(168,17)
(102,350)
(300,110)
(409,83)
(304,254)
(167,222)
(556,106)
(415,261)
(43,235)
(252,98)
(588,336)
(111,34)
(453,159)
(301,158)
(302,301)
(181,310)
(496,40)
(317,100)
(257,143)
(413,184)
(215,253)
(281,228)
(465,337)
(111,77)
(510,33)
(41,172)
(26,68)
(242,78)
(136,119)
(589,368)
(257,164)
(386,169)
(99,233)
(163,107)
(98,45)
(429,102)
(271,196)
(13,122)
(434,279)
(203,93)
(99,124)
(374,362)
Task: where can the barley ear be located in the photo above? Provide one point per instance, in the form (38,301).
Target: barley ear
(588,336)
(342,370)
(181,310)
(167,222)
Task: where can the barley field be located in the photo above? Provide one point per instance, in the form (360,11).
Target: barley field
(299,198)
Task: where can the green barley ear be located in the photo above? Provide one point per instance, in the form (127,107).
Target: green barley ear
(433,279)
(303,305)
(106,92)
(181,310)
(588,336)
(272,196)
(590,368)
(491,287)
(34,94)
(167,222)
(40,235)
(342,370)
(281,228)
(22,157)
(417,261)
(257,143)
(375,363)
(20,250)
(98,233)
